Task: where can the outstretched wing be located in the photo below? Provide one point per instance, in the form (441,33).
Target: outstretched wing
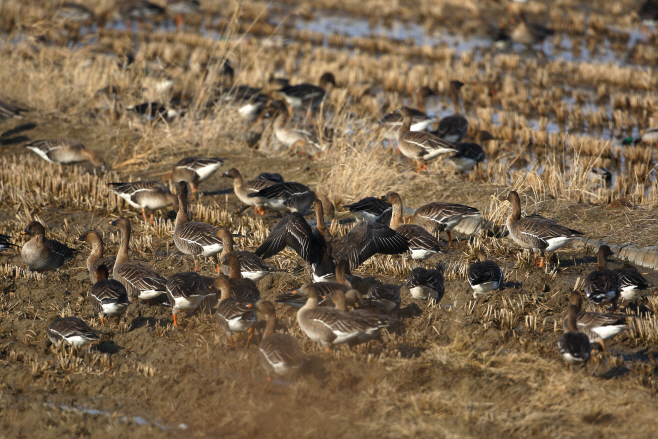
(293,231)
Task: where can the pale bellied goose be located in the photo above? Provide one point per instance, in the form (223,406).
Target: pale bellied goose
(602,285)
(453,128)
(108,297)
(65,151)
(438,217)
(469,155)
(73,330)
(484,275)
(233,314)
(307,96)
(330,326)
(341,300)
(5,243)
(186,292)
(419,119)
(574,346)
(193,170)
(151,195)
(8,111)
(323,288)
(598,326)
(633,284)
(42,254)
(423,284)
(387,294)
(305,139)
(194,238)
(422,244)
(140,280)
(243,289)
(251,266)
(243,189)
(286,197)
(535,232)
(96,258)
(279,353)
(420,145)
(371,209)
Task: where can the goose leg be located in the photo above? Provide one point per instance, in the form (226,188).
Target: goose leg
(418,167)
(196,265)
(217,263)
(541,262)
(144,214)
(103,321)
(179,22)
(176,320)
(449,238)
(602,346)
(152,219)
(328,349)
(535,255)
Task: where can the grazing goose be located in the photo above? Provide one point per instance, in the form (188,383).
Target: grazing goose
(5,243)
(286,197)
(437,217)
(8,111)
(484,276)
(307,96)
(279,353)
(330,326)
(324,287)
(424,284)
(453,128)
(140,280)
(598,327)
(243,189)
(233,314)
(73,330)
(304,139)
(251,266)
(65,151)
(420,145)
(151,195)
(371,209)
(41,254)
(633,284)
(193,170)
(340,300)
(422,244)
(469,155)
(650,136)
(392,122)
(243,289)
(602,285)
(96,258)
(186,292)
(388,295)
(535,232)
(361,303)
(574,346)
(108,297)
(194,238)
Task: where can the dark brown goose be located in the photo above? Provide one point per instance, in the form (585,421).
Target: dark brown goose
(193,170)
(286,197)
(535,232)
(186,292)
(41,254)
(387,294)
(140,280)
(65,151)
(243,289)
(422,244)
(73,330)
(420,145)
(371,209)
(361,303)
(597,326)
(308,96)
(151,195)
(602,285)
(243,189)
(453,128)
(279,353)
(438,217)
(108,297)
(484,275)
(96,258)
(470,154)
(633,284)
(233,314)
(323,288)
(251,266)
(574,346)
(424,284)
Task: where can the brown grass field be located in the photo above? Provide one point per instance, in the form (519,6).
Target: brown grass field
(463,368)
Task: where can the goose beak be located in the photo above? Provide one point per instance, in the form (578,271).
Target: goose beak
(81,238)
(25,232)
(113,222)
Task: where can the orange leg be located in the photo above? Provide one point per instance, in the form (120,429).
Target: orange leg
(328,349)
(144,214)
(152,219)
(567,366)
(449,238)
(541,262)
(603,346)
(231,339)
(118,320)
(103,321)
(176,320)
(179,22)
(217,267)
(424,167)
(250,331)
(418,168)
(535,260)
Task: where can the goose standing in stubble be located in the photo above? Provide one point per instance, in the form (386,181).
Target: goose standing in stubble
(453,128)
(243,189)
(574,346)
(323,288)
(193,170)
(186,292)
(438,217)
(233,314)
(633,284)
(96,258)
(603,285)
(151,195)
(41,254)
(484,275)
(108,297)
(597,326)
(251,266)
(65,151)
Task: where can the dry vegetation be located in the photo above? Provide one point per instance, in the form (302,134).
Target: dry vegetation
(464,368)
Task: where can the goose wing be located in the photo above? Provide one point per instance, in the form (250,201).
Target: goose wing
(293,231)
(366,239)
(544,228)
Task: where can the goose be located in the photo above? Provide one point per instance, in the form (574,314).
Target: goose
(330,326)
(527,33)
(243,288)
(633,284)
(8,111)
(602,285)
(371,209)
(108,297)
(233,314)
(96,258)
(304,139)
(151,195)
(74,13)
(140,280)
(41,254)
(361,303)
(323,287)
(73,330)
(469,155)
(186,291)
(484,275)
(574,346)
(139,10)
(193,170)
(251,266)
(182,7)
(5,243)
(274,177)
(598,327)
(437,217)
(455,127)
(650,136)
(424,284)
(387,294)
(648,15)
(340,299)
(286,197)
(251,102)
(419,119)
(420,145)
(243,189)
(280,354)
(535,232)
(65,151)
(307,96)
(422,244)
